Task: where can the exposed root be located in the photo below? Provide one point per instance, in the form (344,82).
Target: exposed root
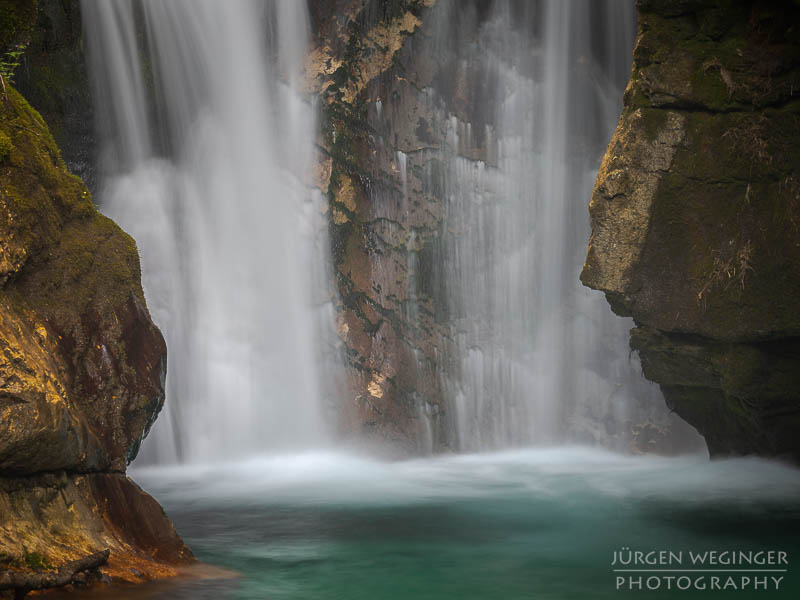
(734,270)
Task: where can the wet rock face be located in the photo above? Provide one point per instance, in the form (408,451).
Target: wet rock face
(82,366)
(388,83)
(695,231)
(380,221)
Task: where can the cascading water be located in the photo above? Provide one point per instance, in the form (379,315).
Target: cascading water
(207,146)
(208,143)
(531,356)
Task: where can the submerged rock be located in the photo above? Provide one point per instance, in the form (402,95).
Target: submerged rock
(695,230)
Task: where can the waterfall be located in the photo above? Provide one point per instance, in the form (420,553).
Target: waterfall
(207,154)
(531,356)
(207,142)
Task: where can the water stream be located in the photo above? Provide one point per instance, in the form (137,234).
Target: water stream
(532,357)
(207,146)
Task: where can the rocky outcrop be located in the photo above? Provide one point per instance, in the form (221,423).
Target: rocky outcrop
(695,229)
(82,369)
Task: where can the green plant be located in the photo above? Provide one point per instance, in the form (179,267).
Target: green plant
(5,146)
(37,562)
(9,63)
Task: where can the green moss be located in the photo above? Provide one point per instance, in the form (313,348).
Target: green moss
(48,83)
(727,52)
(716,76)
(5,146)
(699,209)
(78,258)
(723,240)
(37,562)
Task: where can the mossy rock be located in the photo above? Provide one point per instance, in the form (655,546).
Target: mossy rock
(87,360)
(719,56)
(53,78)
(5,146)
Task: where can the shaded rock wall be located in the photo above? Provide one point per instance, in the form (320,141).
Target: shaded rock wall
(695,230)
(52,74)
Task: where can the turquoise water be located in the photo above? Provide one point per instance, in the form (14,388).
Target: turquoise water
(526,524)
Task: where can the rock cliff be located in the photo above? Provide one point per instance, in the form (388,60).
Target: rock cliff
(82,368)
(695,227)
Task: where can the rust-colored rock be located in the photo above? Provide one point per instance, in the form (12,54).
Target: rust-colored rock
(59,517)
